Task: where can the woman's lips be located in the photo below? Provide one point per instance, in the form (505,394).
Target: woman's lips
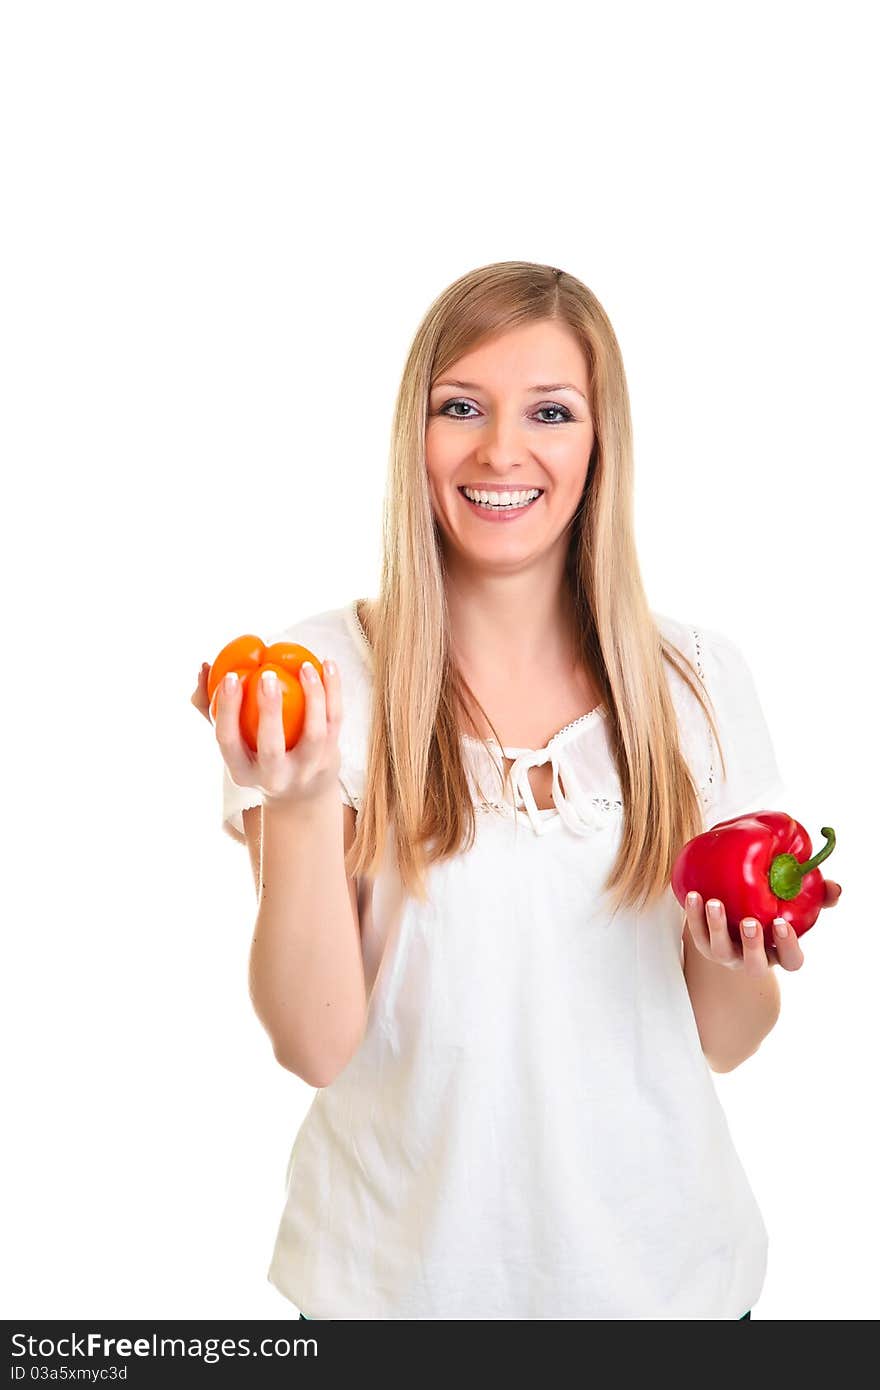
(502,514)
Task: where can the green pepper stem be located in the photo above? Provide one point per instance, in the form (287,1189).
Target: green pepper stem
(787,873)
(831,841)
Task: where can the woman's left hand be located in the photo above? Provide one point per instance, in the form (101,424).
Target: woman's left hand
(712,939)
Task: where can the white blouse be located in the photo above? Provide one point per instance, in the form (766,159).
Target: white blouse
(529,1128)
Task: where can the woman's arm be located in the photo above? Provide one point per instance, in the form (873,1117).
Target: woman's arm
(734,1011)
(734,992)
(306,966)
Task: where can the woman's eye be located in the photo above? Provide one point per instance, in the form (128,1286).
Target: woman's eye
(558,409)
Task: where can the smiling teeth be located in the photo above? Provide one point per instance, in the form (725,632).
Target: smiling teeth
(502,499)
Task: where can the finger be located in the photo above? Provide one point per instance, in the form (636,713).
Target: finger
(696,922)
(723,949)
(788,948)
(226,709)
(333,694)
(755,959)
(832,893)
(227,728)
(270,723)
(315,724)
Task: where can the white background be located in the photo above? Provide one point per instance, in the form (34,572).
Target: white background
(222,225)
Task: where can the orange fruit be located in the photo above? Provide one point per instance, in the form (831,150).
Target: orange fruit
(248,656)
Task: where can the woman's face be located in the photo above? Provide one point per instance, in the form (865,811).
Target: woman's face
(511,416)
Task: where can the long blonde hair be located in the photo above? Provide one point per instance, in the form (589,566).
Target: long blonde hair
(415,771)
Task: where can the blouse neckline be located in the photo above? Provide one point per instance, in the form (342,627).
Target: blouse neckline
(357,628)
(561,736)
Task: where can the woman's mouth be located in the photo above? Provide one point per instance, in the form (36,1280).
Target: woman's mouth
(500,506)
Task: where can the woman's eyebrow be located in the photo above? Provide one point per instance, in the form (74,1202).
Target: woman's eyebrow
(547,386)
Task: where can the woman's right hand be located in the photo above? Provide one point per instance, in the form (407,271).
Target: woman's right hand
(311,767)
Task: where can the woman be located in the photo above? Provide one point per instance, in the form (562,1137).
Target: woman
(479,960)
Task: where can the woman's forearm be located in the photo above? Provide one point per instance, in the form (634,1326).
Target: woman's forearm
(306,966)
(734,1011)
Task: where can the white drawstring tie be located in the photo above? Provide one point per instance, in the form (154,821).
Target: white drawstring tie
(580,824)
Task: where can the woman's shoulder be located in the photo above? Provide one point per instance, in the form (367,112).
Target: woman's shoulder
(719,658)
(337,634)
(694,638)
(680,634)
(721,666)
(697,644)
(675,628)
(724,665)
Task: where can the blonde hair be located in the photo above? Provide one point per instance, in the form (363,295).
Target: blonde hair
(415,771)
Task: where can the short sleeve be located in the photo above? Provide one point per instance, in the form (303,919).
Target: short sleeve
(753,781)
(236,799)
(327,635)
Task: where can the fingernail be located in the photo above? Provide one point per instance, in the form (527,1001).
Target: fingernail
(750,928)
(781,926)
(713,905)
(330,667)
(692,899)
(270,682)
(230,680)
(309,671)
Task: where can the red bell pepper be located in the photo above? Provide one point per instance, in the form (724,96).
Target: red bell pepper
(759,865)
